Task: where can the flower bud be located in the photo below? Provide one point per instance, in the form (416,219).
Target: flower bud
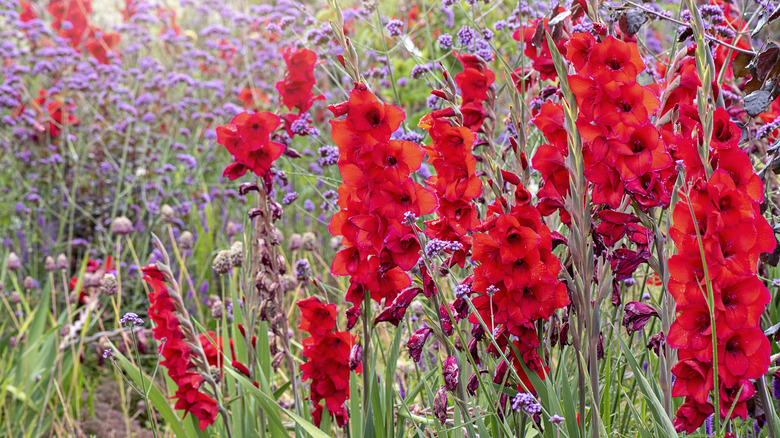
(217,310)
(417,341)
(657,343)
(295,241)
(186,241)
(121,226)
(237,254)
(14,298)
(355,356)
(637,315)
(499,373)
(49,264)
(223,262)
(451,373)
(12,262)
(440,404)
(28,283)
(309,241)
(473,384)
(62,262)
(108,285)
(167,214)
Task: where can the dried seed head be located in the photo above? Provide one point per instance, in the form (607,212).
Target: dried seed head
(62,262)
(309,241)
(335,243)
(296,241)
(12,262)
(237,254)
(277,361)
(212,299)
(223,262)
(186,241)
(108,284)
(29,283)
(49,264)
(217,310)
(121,226)
(287,282)
(91,279)
(167,214)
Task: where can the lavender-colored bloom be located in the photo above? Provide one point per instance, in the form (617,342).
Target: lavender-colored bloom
(556,419)
(108,353)
(289,198)
(419,70)
(434,247)
(431,101)
(131,318)
(445,41)
(329,155)
(526,402)
(394,27)
(466,36)
(302,270)
(462,289)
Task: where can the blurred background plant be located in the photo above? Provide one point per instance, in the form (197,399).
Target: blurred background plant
(107,127)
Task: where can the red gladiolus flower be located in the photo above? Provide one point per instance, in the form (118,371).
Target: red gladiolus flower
(611,60)
(176,352)
(375,199)
(247,139)
(691,415)
(693,379)
(99,44)
(537,49)
(475,79)
(296,88)
(742,354)
(328,355)
(27,13)
(721,215)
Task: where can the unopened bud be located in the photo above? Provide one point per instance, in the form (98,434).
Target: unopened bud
(440,404)
(296,241)
(121,226)
(167,214)
(49,264)
(473,384)
(237,254)
(108,285)
(223,262)
(62,262)
(355,356)
(12,262)
(309,241)
(29,283)
(451,373)
(186,241)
